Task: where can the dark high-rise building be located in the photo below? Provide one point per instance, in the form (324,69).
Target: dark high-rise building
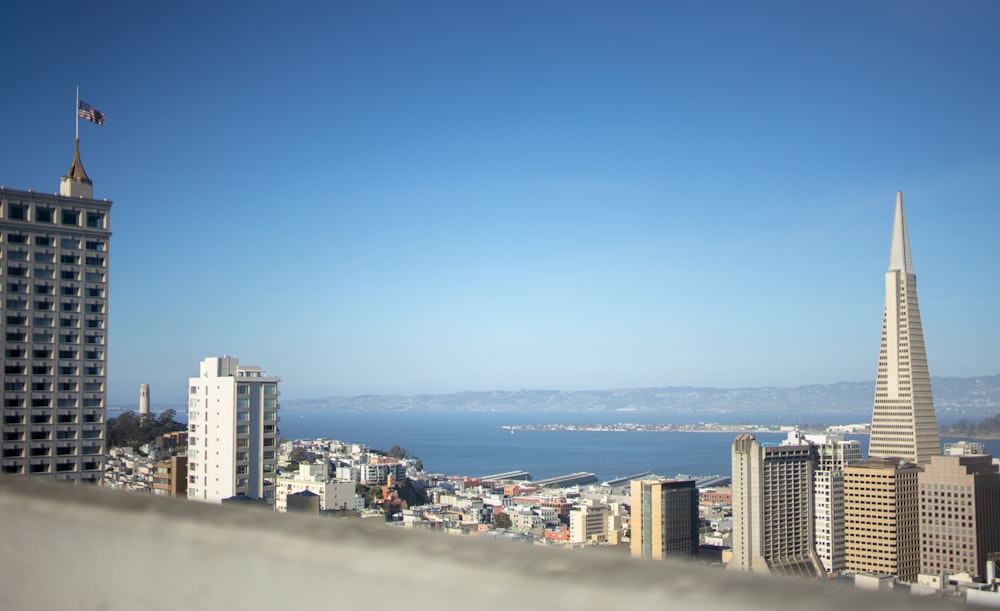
(665,519)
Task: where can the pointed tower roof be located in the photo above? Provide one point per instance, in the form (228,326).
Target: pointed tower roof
(76,171)
(899,254)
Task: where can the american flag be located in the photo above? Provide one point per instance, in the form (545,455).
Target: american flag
(88,112)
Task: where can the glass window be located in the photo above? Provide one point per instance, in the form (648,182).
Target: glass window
(43,215)
(17,212)
(71,217)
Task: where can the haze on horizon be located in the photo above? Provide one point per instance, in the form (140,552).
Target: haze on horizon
(397,198)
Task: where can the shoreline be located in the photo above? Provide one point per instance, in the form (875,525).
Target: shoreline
(721,428)
(674,428)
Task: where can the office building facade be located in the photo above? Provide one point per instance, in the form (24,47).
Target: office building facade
(232,431)
(903,420)
(588,522)
(54,269)
(833,454)
(959,514)
(170,477)
(665,522)
(881,518)
(773,514)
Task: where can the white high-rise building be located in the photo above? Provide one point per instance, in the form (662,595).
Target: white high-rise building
(903,420)
(232,431)
(54,256)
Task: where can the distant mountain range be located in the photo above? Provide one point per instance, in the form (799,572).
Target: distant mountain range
(978,396)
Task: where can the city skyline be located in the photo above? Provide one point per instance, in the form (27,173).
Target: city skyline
(403,200)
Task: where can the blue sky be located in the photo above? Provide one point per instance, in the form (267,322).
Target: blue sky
(411,197)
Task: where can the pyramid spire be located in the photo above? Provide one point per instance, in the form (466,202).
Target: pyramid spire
(76,183)
(899,253)
(904,424)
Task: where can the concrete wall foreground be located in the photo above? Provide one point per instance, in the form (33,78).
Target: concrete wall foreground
(77,547)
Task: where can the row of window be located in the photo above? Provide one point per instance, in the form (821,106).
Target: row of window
(47,402)
(42,337)
(47,257)
(44,240)
(17,468)
(40,273)
(16,269)
(41,214)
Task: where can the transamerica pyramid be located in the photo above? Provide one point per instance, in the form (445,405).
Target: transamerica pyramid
(903,420)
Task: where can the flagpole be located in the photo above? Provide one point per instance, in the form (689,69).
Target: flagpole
(76,111)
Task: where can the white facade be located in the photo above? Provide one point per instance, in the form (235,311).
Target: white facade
(144,399)
(54,256)
(232,431)
(588,522)
(379,473)
(523,519)
(332,494)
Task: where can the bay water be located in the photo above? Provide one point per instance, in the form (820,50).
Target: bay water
(475,444)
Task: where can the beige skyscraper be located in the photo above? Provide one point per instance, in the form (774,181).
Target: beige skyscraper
(903,421)
(54,251)
(881,518)
(959,514)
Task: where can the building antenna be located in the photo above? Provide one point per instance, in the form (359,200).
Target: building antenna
(76,111)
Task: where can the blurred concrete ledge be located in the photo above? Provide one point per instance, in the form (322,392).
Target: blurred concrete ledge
(77,547)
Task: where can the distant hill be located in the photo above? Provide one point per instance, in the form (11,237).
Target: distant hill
(974,396)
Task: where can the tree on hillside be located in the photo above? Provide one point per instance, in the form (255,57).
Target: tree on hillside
(502,520)
(989,427)
(398,452)
(132,430)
